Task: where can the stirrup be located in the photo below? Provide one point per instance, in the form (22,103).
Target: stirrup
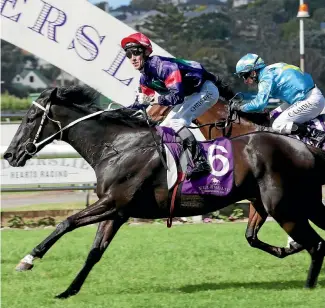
(320,142)
(201,167)
(317,136)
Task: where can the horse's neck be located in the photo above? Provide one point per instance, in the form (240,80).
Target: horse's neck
(243,127)
(251,122)
(95,139)
(84,137)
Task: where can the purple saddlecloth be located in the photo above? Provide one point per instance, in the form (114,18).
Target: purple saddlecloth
(219,154)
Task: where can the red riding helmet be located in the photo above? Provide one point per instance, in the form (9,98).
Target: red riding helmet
(137,39)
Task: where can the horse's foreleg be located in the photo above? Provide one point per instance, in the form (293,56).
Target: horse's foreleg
(102,209)
(257,217)
(105,233)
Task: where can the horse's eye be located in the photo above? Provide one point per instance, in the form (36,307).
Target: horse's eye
(32,111)
(31,115)
(30,119)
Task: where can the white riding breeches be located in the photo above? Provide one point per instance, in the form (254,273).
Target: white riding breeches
(193,106)
(300,112)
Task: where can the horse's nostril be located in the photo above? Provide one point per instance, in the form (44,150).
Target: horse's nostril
(7,155)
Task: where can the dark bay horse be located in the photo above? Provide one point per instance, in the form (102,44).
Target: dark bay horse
(131,179)
(218,122)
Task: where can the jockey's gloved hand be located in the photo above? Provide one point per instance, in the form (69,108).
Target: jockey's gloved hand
(237,102)
(138,106)
(239,97)
(147,100)
(236,105)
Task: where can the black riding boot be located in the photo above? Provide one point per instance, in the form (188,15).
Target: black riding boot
(304,131)
(201,165)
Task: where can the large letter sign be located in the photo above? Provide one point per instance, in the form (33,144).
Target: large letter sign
(77,37)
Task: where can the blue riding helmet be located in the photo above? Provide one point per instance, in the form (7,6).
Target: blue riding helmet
(248,63)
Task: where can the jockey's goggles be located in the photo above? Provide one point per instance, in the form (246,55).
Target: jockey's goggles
(134,51)
(244,75)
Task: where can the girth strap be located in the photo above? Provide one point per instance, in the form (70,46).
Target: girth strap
(175,197)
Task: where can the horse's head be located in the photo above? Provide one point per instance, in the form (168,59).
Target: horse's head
(37,125)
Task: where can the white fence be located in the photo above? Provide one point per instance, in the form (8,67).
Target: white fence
(48,171)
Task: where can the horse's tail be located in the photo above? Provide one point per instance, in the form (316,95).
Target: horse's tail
(319,156)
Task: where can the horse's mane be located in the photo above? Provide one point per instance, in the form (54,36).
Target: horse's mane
(258,118)
(224,88)
(86,99)
(82,96)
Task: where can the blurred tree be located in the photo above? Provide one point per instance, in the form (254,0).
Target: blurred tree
(209,26)
(315,5)
(103,5)
(13,61)
(167,28)
(319,15)
(145,5)
(50,72)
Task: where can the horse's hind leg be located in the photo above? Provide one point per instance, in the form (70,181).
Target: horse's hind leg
(101,210)
(105,234)
(302,232)
(317,215)
(257,217)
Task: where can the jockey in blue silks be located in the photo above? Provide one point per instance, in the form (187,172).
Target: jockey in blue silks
(184,85)
(303,101)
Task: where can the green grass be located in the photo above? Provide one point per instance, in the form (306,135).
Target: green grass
(151,266)
(47,206)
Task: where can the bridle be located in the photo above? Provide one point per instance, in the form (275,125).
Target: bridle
(232,116)
(34,145)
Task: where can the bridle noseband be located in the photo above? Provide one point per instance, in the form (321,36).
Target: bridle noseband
(33,145)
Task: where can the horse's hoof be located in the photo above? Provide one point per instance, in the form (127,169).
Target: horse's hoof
(63,295)
(23,266)
(66,294)
(310,286)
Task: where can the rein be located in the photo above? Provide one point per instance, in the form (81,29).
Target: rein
(31,147)
(46,110)
(221,124)
(154,139)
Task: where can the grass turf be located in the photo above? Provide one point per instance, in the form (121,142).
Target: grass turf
(188,266)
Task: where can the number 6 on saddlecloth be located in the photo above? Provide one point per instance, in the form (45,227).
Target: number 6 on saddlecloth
(212,157)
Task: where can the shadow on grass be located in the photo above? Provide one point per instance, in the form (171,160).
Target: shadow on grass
(267,285)
(201,287)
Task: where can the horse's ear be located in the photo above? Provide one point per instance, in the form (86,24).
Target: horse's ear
(53,95)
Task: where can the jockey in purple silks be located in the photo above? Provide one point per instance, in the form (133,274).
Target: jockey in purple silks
(184,85)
